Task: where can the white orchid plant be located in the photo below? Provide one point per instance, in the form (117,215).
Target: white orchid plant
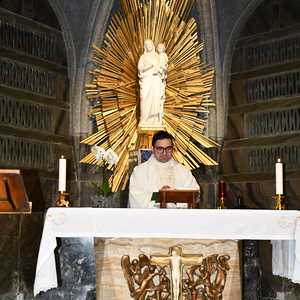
(109,158)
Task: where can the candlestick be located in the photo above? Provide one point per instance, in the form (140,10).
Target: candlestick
(62,174)
(222,194)
(62,200)
(279,177)
(279,197)
(279,202)
(222,189)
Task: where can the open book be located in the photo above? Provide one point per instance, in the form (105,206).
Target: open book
(181,197)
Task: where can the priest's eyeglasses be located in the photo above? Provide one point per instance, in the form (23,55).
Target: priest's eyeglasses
(164,149)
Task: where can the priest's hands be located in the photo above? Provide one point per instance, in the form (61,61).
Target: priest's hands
(165,187)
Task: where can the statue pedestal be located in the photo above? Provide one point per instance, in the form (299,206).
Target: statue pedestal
(112,285)
(145,135)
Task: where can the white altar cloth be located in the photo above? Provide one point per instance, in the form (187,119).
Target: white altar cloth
(165,223)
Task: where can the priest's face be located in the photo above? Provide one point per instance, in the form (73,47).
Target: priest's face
(162,150)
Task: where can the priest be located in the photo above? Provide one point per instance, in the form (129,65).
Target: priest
(159,172)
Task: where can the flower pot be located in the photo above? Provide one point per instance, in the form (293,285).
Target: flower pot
(112,200)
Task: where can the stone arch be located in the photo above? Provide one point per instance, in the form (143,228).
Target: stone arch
(78,63)
(81,125)
(226,67)
(67,36)
(206,10)
(96,28)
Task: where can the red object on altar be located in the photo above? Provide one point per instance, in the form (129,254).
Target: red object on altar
(222,189)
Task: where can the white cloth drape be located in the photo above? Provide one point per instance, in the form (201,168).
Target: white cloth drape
(286,256)
(164,223)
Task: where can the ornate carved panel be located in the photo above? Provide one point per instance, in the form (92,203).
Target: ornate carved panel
(273,86)
(262,159)
(27,77)
(26,153)
(271,52)
(28,115)
(273,122)
(19,35)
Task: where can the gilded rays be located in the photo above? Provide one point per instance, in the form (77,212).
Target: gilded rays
(115,89)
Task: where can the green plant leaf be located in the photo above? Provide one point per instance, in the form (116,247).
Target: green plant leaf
(106,190)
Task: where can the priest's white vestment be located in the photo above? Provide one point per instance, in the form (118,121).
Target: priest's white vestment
(152,175)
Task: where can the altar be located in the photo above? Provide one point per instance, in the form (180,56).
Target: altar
(173,223)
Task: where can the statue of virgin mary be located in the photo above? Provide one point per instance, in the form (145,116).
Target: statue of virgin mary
(151,87)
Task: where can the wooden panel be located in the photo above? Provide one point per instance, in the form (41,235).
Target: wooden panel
(13,197)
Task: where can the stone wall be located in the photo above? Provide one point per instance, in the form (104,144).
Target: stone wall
(19,244)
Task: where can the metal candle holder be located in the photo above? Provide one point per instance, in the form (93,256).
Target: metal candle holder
(279,202)
(279,197)
(62,199)
(221,203)
(222,194)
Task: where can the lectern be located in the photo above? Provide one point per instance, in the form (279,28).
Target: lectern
(13,197)
(178,196)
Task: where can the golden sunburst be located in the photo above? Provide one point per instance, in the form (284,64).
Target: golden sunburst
(114,84)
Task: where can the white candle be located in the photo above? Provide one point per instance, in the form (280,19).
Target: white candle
(62,175)
(279,177)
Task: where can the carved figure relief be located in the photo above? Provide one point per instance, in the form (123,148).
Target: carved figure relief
(176,276)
